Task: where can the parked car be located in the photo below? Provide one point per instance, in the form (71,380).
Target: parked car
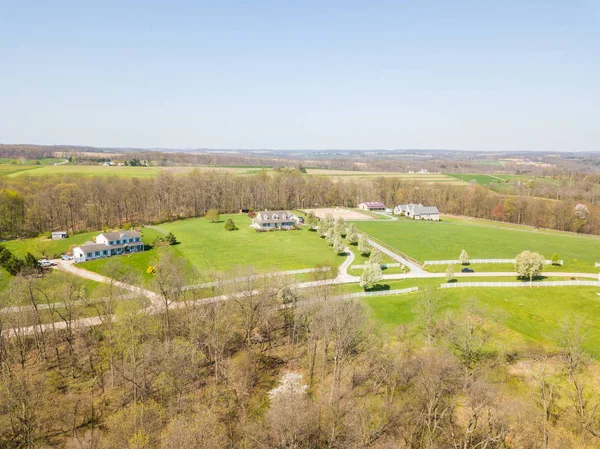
(65,257)
(44,263)
(467,270)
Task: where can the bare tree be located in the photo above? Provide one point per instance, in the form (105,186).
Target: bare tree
(427,310)
(169,280)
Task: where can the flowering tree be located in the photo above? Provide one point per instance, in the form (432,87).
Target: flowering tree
(450,276)
(371,275)
(581,211)
(464,257)
(338,245)
(376,256)
(363,246)
(529,265)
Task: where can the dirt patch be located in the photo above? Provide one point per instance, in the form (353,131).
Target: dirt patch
(337,212)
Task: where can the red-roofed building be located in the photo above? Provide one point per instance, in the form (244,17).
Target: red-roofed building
(372,205)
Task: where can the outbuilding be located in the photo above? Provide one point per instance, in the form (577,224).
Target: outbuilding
(372,206)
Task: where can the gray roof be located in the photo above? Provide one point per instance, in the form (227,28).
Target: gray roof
(267,217)
(118,235)
(427,210)
(90,247)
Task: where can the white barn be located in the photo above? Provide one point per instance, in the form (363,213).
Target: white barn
(418,212)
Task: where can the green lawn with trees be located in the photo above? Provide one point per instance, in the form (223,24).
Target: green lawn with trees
(423,240)
(209,246)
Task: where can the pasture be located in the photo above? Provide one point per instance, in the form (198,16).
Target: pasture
(424,240)
(517,317)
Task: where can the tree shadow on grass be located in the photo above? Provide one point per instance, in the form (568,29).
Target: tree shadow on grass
(379,288)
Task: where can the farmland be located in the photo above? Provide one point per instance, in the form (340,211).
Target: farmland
(423,240)
(149,172)
(518,316)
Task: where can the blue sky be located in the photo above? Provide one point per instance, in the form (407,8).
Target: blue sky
(474,75)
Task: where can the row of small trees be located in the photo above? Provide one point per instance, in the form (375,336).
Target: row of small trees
(334,231)
(528,264)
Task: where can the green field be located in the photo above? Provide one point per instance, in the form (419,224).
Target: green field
(518,316)
(44,248)
(481,179)
(423,240)
(207,246)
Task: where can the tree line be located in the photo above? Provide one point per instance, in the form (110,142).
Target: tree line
(33,205)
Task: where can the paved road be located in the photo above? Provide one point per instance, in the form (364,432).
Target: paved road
(69,267)
(414,268)
(342,278)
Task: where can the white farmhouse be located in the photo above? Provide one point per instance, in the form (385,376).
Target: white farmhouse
(109,244)
(418,212)
(274,220)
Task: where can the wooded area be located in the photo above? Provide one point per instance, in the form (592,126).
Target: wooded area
(277,367)
(30,206)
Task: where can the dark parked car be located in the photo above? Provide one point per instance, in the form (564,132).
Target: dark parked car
(467,270)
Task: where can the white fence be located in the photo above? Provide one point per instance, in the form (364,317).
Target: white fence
(383,265)
(258,276)
(380,293)
(522,284)
(482,261)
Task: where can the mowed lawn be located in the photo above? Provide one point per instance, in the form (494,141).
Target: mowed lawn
(484,240)
(518,316)
(44,247)
(209,246)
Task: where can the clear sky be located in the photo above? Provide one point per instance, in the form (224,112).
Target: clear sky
(475,75)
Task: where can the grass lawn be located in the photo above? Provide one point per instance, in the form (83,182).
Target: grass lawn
(207,246)
(43,247)
(518,315)
(424,240)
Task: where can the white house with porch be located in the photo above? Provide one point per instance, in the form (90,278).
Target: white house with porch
(109,244)
(274,220)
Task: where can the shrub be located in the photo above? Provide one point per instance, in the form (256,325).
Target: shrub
(251,214)
(230,225)
(212,215)
(171,239)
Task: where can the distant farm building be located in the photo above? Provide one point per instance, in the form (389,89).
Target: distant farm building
(58,235)
(273,220)
(372,206)
(418,212)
